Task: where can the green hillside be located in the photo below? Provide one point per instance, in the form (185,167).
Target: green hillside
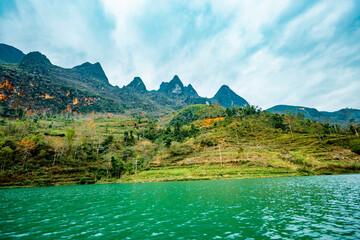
(62,126)
(42,150)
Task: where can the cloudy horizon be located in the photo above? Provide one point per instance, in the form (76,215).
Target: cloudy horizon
(269,52)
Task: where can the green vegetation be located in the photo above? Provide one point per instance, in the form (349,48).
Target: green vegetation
(195,143)
(196,112)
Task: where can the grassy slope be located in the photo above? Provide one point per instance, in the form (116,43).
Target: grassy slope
(270,156)
(257,151)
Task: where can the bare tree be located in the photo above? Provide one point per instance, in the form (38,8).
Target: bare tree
(289,120)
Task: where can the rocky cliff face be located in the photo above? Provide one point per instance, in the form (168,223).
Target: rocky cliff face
(137,84)
(190,91)
(175,87)
(88,70)
(162,87)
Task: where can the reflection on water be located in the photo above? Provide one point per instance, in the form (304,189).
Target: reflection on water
(299,207)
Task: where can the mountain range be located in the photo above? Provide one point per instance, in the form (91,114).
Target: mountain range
(342,116)
(34,83)
(30,81)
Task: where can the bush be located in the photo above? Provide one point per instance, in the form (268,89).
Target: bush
(130,167)
(178,149)
(355,146)
(109,139)
(86,180)
(168,142)
(118,167)
(127,154)
(208,141)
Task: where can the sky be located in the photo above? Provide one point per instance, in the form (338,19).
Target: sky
(270,52)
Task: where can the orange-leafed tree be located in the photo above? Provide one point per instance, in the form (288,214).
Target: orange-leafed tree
(25,147)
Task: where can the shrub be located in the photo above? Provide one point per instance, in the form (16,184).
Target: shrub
(109,139)
(178,149)
(127,154)
(355,146)
(168,142)
(117,167)
(86,180)
(208,141)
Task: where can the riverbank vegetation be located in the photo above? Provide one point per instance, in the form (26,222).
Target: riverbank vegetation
(197,142)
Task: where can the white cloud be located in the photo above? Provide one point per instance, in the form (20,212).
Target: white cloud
(317,24)
(264,54)
(56,28)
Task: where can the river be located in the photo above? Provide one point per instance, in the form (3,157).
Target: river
(325,207)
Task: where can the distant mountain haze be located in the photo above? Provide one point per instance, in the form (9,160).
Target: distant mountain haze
(341,116)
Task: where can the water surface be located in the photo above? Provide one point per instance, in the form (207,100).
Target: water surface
(326,207)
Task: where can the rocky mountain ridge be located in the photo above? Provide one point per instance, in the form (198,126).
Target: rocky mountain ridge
(91,79)
(9,54)
(32,82)
(228,98)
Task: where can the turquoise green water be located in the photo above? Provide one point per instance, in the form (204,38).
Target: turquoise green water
(325,207)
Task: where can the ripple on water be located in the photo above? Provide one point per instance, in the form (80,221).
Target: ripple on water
(308,207)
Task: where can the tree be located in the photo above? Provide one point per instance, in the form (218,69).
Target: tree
(251,110)
(129,139)
(25,147)
(59,146)
(167,131)
(126,137)
(229,113)
(354,126)
(109,157)
(318,129)
(70,134)
(289,120)
(352,122)
(91,130)
(5,153)
(168,142)
(176,129)
(150,133)
(127,154)
(109,139)
(193,130)
(117,166)
(138,162)
(277,121)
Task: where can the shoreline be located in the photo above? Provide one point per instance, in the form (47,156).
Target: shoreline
(62,184)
